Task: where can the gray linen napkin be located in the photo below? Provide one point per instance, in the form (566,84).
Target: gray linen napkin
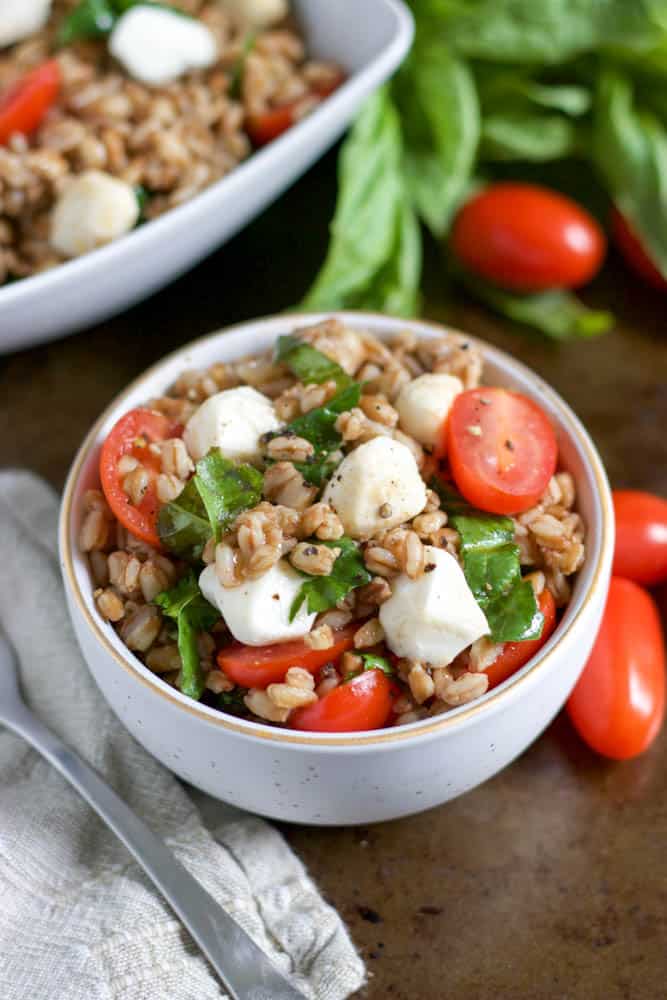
(78,919)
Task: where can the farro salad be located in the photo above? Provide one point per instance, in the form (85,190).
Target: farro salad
(114,111)
(339,535)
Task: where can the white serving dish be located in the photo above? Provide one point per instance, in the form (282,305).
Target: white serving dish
(93,287)
(332,779)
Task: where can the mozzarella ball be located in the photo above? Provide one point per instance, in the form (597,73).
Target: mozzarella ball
(20,19)
(423,406)
(156,45)
(94,209)
(259,13)
(257,612)
(376,487)
(233,421)
(436,616)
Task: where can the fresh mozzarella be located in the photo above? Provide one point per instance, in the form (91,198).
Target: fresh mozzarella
(21,18)
(424,403)
(156,45)
(376,487)
(94,209)
(233,421)
(257,612)
(435,617)
(259,13)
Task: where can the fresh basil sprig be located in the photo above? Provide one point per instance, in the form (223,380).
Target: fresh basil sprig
(193,615)
(492,569)
(324,592)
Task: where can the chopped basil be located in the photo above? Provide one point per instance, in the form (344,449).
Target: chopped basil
(89,19)
(183,525)
(142,196)
(232,701)
(193,615)
(310,365)
(492,569)
(239,66)
(324,592)
(373,662)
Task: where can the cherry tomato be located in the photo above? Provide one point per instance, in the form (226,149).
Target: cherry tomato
(357,705)
(23,108)
(618,704)
(515,654)
(528,238)
(264,128)
(502,449)
(259,666)
(131,436)
(630,246)
(641,536)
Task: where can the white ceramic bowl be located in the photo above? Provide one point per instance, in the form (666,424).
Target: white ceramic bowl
(99,284)
(341,778)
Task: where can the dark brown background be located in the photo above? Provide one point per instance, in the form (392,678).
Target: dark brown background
(549,881)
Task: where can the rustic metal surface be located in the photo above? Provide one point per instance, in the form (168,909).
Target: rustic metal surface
(550,881)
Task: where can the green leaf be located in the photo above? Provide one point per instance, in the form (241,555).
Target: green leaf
(89,19)
(226,489)
(492,569)
(372,246)
(142,196)
(324,592)
(630,153)
(193,615)
(373,662)
(318,425)
(527,135)
(556,312)
(239,66)
(436,95)
(308,364)
(183,525)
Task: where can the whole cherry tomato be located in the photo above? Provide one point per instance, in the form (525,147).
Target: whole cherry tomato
(132,435)
(259,666)
(515,654)
(618,704)
(365,702)
(502,449)
(641,536)
(24,106)
(528,238)
(634,253)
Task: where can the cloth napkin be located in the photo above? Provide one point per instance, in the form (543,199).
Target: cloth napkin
(78,918)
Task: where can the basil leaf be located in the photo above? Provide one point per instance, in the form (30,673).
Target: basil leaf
(226,489)
(492,569)
(232,701)
(193,615)
(183,525)
(373,662)
(556,312)
(238,69)
(522,134)
(89,19)
(318,425)
(324,592)
(630,153)
(308,364)
(435,92)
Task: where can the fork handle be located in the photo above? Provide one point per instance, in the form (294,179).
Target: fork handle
(242,966)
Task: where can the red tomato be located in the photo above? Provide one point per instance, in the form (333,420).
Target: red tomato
(23,108)
(131,436)
(641,536)
(630,246)
(516,654)
(528,238)
(618,704)
(266,127)
(357,705)
(502,449)
(259,666)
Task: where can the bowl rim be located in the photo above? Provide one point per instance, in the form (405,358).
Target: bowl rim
(489,702)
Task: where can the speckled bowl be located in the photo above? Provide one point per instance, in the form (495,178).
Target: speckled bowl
(331,779)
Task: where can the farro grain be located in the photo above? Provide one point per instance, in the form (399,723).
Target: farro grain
(420,683)
(316,560)
(164,659)
(218,682)
(260,704)
(110,605)
(370,634)
(286,448)
(320,637)
(135,484)
(140,628)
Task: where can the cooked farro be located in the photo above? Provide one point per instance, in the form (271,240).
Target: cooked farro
(170,140)
(290,539)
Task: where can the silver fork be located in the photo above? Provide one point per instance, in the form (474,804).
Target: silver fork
(244,969)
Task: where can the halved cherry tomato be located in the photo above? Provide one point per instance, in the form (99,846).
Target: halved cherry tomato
(641,536)
(618,704)
(630,246)
(264,128)
(515,654)
(363,703)
(259,666)
(23,107)
(502,449)
(131,436)
(528,238)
